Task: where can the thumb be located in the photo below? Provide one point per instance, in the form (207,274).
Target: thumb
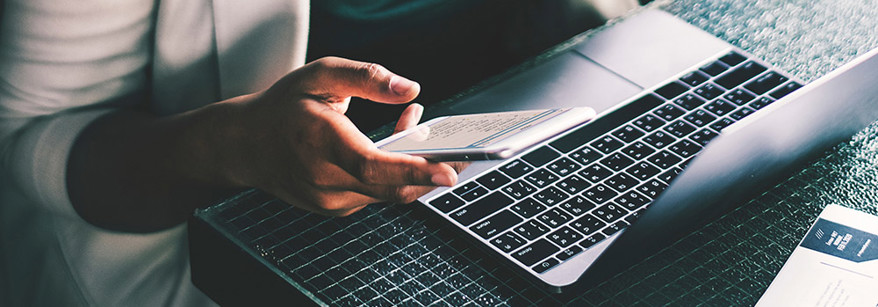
(336,79)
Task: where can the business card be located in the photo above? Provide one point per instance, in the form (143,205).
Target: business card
(834,265)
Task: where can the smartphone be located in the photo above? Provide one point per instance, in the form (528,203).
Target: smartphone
(484,136)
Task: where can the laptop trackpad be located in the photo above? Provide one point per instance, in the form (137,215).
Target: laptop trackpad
(568,80)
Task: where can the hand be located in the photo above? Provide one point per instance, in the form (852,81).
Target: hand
(295,142)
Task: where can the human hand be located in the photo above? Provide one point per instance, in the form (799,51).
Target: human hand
(294,141)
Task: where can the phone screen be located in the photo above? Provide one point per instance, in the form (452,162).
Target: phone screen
(469,131)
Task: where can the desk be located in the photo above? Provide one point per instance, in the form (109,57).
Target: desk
(393,255)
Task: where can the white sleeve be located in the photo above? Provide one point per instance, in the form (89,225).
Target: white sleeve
(62,65)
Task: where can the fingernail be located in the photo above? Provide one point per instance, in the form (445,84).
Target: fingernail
(401,86)
(418,111)
(442,180)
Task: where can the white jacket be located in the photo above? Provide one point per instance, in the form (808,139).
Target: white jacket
(65,63)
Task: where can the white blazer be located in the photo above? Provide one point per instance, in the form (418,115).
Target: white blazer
(65,63)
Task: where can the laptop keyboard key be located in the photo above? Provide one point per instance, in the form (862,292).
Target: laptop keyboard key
(609,213)
(481,208)
(689,101)
(668,112)
(621,182)
(628,133)
(554,218)
(474,193)
(766,82)
(469,186)
(700,118)
(721,124)
(638,150)
(733,58)
(649,122)
(659,139)
(709,91)
(569,253)
(599,194)
(703,136)
(540,156)
(541,178)
(519,189)
(672,89)
(664,159)
(761,103)
(585,155)
(631,200)
(573,184)
(617,161)
(720,107)
(715,68)
(785,89)
(740,75)
(592,240)
(743,112)
(588,224)
(739,97)
(545,265)
(595,172)
(535,252)
(577,206)
(528,208)
(550,196)
(606,144)
(680,128)
(652,189)
(564,237)
(508,241)
(496,224)
(685,148)
(563,167)
(446,203)
(531,230)
(516,169)
(642,171)
(493,180)
(670,174)
(694,78)
(614,228)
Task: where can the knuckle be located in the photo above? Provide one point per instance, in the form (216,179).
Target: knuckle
(404,195)
(370,71)
(324,62)
(367,170)
(411,173)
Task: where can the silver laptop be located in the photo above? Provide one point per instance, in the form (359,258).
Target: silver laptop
(579,208)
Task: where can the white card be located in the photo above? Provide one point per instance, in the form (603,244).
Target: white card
(836,264)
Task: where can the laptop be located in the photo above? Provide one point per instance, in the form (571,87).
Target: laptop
(688,127)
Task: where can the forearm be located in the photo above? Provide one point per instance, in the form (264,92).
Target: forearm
(132,171)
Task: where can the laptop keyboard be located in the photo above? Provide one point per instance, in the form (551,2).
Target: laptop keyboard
(562,198)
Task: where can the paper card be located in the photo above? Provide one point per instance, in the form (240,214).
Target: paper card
(834,265)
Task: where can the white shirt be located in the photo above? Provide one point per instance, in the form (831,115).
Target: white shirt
(65,63)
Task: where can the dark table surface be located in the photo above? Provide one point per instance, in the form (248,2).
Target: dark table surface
(394,255)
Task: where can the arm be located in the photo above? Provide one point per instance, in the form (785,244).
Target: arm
(135,172)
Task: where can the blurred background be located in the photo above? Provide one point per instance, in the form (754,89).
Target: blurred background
(446,45)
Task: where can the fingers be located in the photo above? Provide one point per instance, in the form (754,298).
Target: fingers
(409,117)
(387,168)
(335,79)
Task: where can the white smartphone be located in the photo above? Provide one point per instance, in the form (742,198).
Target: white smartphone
(484,136)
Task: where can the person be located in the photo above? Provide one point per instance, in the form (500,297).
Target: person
(118,119)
